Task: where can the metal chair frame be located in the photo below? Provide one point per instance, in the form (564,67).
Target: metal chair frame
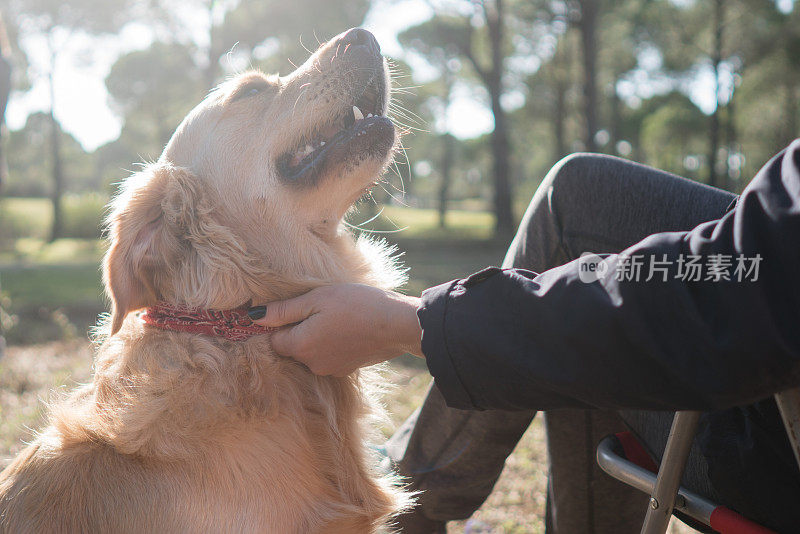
(665,491)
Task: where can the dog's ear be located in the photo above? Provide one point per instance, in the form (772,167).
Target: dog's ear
(145,241)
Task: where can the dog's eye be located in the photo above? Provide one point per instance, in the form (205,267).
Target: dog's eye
(250,89)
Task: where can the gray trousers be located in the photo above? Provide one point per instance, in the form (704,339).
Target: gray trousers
(586,203)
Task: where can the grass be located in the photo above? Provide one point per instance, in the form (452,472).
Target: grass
(31,250)
(53,290)
(414,223)
(436,255)
(54,286)
(28,377)
(34,215)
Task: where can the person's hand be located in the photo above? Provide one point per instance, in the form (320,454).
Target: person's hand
(343,327)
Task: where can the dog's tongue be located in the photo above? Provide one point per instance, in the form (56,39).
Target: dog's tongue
(325,134)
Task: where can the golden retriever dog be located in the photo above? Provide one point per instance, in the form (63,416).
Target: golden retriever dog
(187,432)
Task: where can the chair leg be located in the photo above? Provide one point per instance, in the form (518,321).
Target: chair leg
(673,464)
(789,405)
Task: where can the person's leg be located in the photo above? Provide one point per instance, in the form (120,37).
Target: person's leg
(586,203)
(600,204)
(453,456)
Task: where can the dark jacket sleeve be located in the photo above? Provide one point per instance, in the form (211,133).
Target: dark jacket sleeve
(510,339)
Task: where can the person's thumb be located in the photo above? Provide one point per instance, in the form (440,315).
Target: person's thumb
(284,341)
(282,312)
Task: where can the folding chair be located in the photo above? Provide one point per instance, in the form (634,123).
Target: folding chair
(618,456)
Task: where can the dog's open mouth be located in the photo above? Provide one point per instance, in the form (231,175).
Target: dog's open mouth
(358,131)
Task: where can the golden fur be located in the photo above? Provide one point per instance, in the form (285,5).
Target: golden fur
(184,433)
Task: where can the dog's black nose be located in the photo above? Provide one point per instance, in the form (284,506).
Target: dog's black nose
(360,36)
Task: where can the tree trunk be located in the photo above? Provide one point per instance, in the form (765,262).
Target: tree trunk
(58,178)
(561,81)
(55,154)
(559,119)
(713,145)
(446,176)
(210,72)
(616,118)
(732,142)
(447,148)
(588,28)
(791,106)
(504,223)
(501,146)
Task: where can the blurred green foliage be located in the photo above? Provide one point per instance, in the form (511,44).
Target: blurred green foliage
(31,217)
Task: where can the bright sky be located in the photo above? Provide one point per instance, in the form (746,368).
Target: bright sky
(82,99)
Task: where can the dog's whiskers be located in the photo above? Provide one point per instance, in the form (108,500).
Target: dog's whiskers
(358,226)
(399,201)
(302,92)
(304,46)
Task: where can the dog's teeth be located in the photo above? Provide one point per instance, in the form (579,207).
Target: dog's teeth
(357,113)
(303,152)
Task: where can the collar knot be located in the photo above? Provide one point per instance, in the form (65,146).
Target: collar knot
(233,324)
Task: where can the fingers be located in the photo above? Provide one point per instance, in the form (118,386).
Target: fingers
(284,342)
(283,312)
(293,342)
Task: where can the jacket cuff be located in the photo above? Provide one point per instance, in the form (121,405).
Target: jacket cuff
(432,315)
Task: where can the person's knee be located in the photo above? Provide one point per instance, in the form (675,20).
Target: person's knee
(573,175)
(570,185)
(559,195)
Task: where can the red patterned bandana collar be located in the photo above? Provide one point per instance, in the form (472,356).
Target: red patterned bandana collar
(233,324)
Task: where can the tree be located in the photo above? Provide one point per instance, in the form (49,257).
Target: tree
(587,23)
(484,46)
(558,73)
(769,88)
(692,39)
(444,57)
(30,173)
(259,33)
(278,30)
(718,23)
(153,89)
(672,133)
(492,77)
(583,15)
(616,58)
(550,95)
(57,22)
